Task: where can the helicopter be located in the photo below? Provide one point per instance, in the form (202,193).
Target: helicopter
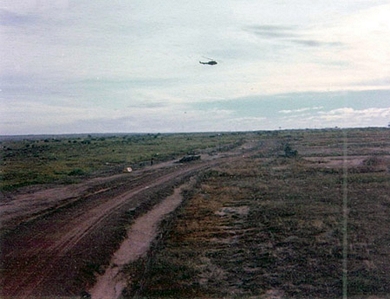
(210,62)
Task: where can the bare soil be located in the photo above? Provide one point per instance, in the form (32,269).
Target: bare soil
(136,245)
(56,241)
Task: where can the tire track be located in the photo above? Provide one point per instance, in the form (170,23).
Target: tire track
(137,243)
(36,251)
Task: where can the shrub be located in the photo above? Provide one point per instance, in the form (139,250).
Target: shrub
(289,152)
(76,171)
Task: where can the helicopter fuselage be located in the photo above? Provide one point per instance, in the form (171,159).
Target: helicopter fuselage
(211,62)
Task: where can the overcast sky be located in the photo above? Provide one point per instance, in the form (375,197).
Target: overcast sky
(133,66)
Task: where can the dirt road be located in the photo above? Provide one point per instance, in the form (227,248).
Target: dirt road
(137,243)
(54,241)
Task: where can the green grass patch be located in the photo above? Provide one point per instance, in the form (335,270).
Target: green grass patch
(60,159)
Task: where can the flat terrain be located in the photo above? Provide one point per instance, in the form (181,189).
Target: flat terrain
(260,215)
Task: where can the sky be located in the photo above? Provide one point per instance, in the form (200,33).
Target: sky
(110,66)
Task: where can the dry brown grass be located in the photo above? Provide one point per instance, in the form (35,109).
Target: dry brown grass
(271,227)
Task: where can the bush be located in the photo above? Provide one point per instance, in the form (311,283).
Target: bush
(289,152)
(76,171)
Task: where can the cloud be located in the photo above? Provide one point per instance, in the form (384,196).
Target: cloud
(257,113)
(301,110)
(314,43)
(349,114)
(273,31)
(344,52)
(135,64)
(340,117)
(365,41)
(9,18)
(288,34)
(19,117)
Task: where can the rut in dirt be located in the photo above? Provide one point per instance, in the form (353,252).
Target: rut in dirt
(60,253)
(136,245)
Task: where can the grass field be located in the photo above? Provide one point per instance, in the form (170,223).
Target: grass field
(281,222)
(273,227)
(28,161)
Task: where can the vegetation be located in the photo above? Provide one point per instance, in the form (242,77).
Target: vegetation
(289,152)
(32,160)
(272,227)
(268,225)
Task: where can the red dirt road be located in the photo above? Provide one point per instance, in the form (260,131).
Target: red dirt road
(55,240)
